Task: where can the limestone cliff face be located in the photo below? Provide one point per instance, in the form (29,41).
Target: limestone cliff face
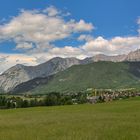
(133,56)
(20,73)
(102,57)
(13,76)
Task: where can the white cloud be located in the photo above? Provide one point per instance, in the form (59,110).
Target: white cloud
(116,45)
(51,11)
(9,60)
(67,51)
(138,22)
(84,37)
(81,26)
(24,45)
(40,28)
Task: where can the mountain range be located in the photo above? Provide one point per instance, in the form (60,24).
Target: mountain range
(19,76)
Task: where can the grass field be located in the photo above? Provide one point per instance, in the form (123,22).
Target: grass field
(118,120)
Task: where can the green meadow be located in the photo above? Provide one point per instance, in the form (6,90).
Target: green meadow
(117,120)
(97,75)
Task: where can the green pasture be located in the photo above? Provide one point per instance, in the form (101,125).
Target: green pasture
(117,120)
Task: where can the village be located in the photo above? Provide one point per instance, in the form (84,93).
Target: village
(107,96)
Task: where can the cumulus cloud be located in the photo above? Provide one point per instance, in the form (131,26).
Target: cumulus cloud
(84,37)
(24,45)
(9,60)
(138,22)
(51,11)
(114,46)
(40,27)
(67,51)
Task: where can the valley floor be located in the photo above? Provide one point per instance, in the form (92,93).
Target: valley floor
(117,120)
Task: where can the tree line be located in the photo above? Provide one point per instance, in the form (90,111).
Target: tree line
(51,99)
(56,98)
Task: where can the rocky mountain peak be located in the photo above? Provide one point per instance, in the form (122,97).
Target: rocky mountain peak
(20,73)
(133,56)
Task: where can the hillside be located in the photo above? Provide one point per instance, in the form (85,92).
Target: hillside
(99,75)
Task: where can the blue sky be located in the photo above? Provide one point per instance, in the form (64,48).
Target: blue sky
(110,27)
(111,17)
